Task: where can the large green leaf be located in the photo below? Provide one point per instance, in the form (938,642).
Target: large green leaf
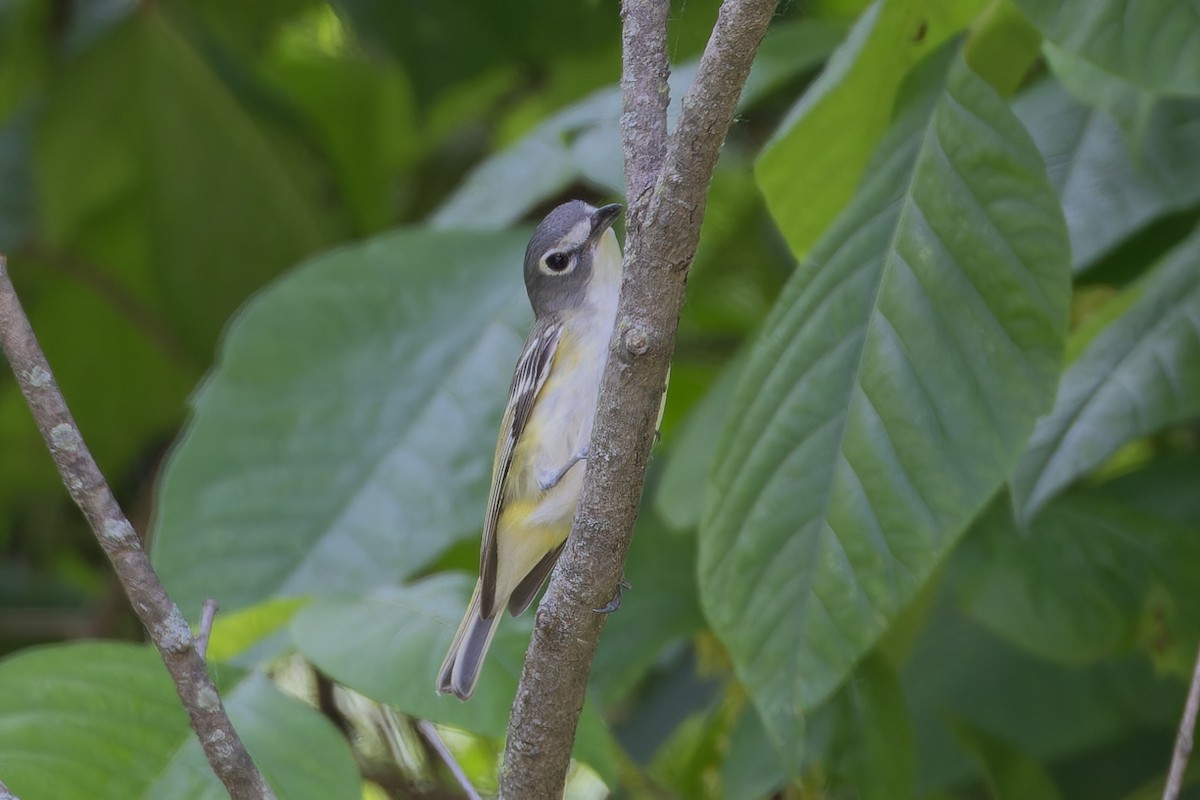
(752,768)
(389,646)
(176,193)
(103,722)
(859,743)
(1092,579)
(1110,184)
(883,759)
(887,398)
(299,752)
(810,169)
(343,439)
(1127,103)
(680,495)
(1151,42)
(1137,375)
(959,671)
(361,111)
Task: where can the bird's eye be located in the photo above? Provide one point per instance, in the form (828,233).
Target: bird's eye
(557,262)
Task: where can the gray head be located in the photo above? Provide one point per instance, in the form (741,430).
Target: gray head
(559,258)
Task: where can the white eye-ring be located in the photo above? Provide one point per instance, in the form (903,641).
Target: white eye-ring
(557,262)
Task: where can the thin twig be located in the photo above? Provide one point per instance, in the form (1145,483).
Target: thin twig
(660,246)
(435,740)
(154,607)
(207,615)
(6,793)
(1185,739)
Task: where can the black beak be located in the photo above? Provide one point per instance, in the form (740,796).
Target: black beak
(603,218)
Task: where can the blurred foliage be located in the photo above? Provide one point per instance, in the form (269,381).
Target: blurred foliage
(923,522)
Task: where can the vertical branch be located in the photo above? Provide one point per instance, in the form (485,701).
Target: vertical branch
(157,612)
(660,245)
(645,96)
(1185,739)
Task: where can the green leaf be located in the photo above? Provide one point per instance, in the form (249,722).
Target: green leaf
(1111,185)
(1011,774)
(1091,579)
(102,722)
(177,192)
(884,758)
(790,49)
(389,647)
(960,671)
(1133,378)
(1151,42)
(1127,103)
(1162,487)
(682,489)
(1003,46)
(343,439)
(685,764)
(299,752)
(887,398)
(809,171)
(362,113)
(662,607)
(752,768)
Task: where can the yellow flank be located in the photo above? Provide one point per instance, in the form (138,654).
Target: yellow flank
(523,545)
(533,522)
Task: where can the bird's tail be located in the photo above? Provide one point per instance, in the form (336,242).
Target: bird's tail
(460,670)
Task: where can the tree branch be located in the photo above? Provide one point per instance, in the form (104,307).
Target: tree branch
(645,96)
(154,607)
(660,245)
(1185,740)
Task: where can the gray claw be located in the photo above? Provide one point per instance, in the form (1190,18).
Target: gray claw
(615,603)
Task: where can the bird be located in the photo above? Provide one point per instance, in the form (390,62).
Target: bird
(573,268)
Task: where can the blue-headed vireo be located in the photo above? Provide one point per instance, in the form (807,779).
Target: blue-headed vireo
(573,277)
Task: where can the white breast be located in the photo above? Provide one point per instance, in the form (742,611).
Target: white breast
(566,408)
